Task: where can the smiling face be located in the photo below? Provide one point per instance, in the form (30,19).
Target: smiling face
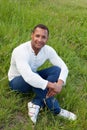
(39,39)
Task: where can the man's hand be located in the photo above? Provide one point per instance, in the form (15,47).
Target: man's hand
(54,88)
(53,91)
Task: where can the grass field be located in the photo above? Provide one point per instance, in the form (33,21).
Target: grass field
(67,22)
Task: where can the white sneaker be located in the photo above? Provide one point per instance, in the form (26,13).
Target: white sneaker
(33,111)
(67,114)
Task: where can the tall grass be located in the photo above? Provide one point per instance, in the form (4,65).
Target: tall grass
(68,35)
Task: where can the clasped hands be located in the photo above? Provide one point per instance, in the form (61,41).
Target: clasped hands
(54,88)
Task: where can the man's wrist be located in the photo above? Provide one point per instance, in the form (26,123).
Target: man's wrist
(50,85)
(60,82)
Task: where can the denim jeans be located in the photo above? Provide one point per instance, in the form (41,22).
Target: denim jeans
(51,74)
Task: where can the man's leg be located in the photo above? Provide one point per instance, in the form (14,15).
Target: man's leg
(18,84)
(51,74)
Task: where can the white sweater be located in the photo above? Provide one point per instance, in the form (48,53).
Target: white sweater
(24,62)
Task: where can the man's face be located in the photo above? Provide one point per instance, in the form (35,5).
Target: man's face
(39,38)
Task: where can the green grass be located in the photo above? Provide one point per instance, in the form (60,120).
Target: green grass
(67,21)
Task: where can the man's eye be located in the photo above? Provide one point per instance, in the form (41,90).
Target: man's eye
(37,35)
(44,37)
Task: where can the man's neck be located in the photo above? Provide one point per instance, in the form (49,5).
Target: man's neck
(36,51)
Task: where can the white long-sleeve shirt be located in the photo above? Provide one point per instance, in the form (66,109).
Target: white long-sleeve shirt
(25,63)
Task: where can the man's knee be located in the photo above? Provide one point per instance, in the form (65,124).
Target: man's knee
(57,70)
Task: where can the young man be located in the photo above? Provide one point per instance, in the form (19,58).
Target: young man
(24,76)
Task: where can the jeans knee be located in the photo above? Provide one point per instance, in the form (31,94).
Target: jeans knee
(57,70)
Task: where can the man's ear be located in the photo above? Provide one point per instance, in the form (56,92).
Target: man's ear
(32,35)
(47,38)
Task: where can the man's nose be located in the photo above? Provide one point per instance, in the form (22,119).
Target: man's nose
(40,39)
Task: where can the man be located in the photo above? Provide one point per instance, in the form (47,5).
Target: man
(24,76)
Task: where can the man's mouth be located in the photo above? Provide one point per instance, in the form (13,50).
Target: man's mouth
(40,44)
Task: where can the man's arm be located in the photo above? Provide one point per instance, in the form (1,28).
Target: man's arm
(56,60)
(24,69)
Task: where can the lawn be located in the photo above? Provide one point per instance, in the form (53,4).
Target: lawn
(67,22)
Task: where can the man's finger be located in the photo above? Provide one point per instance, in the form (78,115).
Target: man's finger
(50,93)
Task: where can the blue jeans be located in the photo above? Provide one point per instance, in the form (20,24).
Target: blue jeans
(51,74)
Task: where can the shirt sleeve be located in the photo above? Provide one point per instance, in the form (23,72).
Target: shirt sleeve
(28,75)
(57,61)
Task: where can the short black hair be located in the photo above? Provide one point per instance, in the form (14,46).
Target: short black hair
(42,26)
